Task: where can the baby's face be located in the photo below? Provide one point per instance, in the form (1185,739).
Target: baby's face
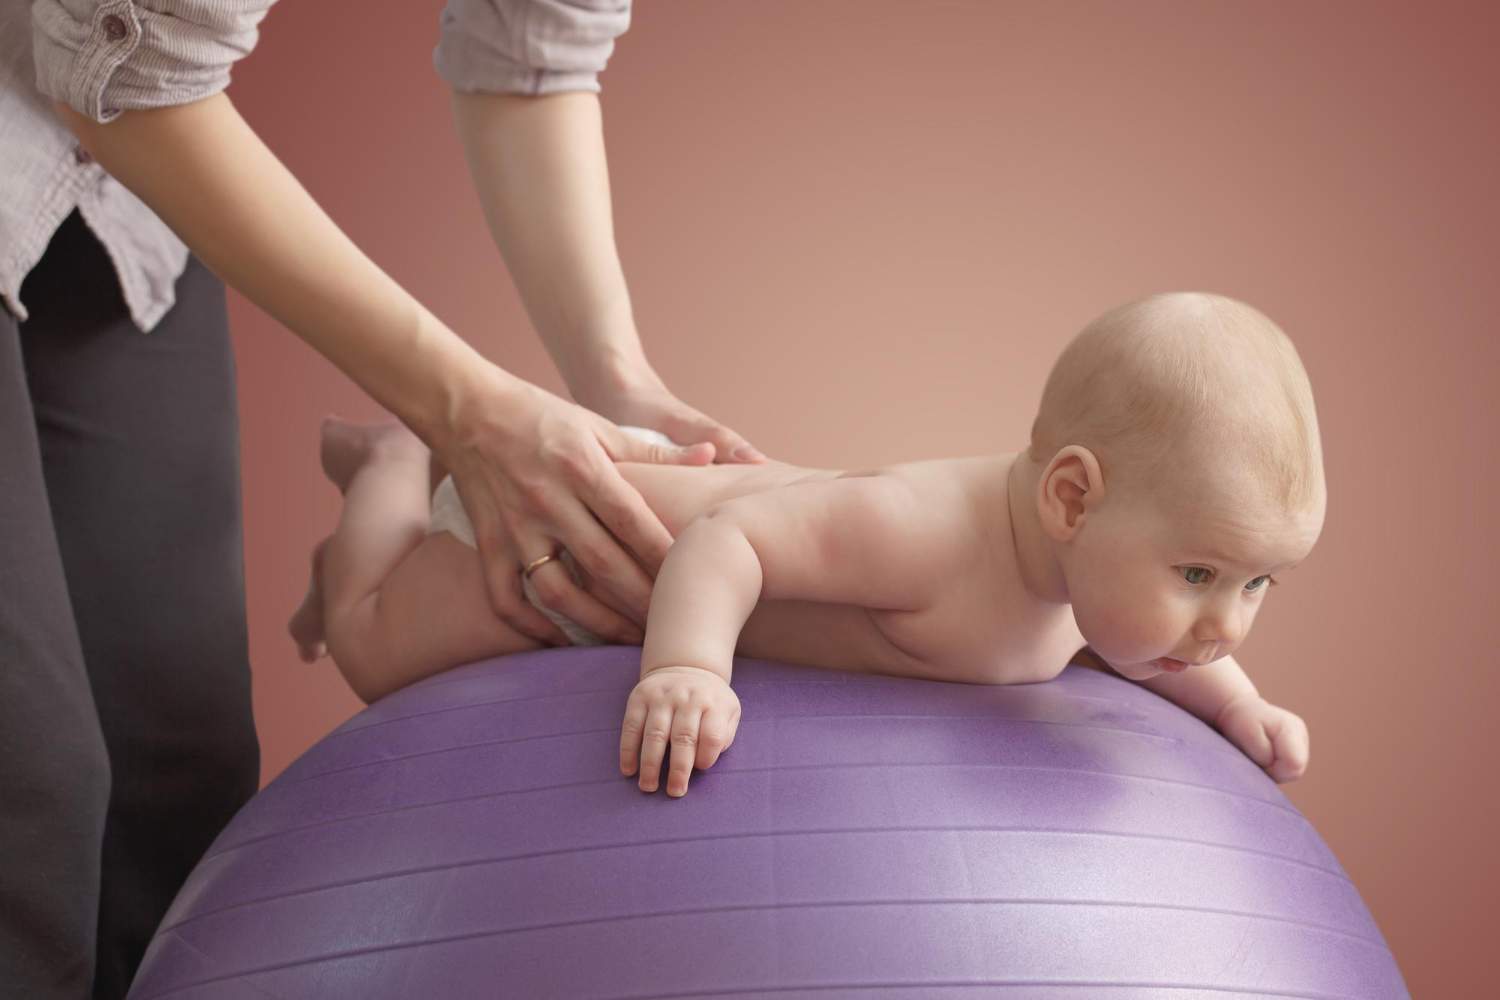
(1159,584)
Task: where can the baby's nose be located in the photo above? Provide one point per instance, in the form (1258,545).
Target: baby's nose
(1223,631)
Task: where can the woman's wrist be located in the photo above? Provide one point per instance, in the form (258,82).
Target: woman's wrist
(471,401)
(610,371)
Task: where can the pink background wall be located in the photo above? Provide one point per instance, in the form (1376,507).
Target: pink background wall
(860,232)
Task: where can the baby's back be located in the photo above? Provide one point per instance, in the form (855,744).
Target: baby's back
(984,627)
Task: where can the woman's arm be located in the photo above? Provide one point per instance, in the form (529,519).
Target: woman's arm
(539,166)
(532,469)
(207,175)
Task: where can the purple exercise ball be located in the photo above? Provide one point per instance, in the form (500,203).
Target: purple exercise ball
(471,836)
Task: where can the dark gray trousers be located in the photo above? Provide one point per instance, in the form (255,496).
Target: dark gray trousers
(126,738)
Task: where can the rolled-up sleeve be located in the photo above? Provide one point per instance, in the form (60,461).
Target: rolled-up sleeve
(528,46)
(104,58)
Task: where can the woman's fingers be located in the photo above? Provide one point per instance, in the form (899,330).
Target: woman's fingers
(538,473)
(502,579)
(624,514)
(541,520)
(555,588)
(624,447)
(687,426)
(501,561)
(645,401)
(602,558)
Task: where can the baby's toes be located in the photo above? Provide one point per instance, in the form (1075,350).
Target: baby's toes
(306,624)
(313,653)
(306,627)
(342,449)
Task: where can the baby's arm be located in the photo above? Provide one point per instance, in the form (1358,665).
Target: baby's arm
(1222,695)
(868,541)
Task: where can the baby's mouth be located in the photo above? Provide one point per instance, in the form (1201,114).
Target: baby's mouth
(1170,665)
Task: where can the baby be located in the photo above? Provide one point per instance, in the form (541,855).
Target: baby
(1174,471)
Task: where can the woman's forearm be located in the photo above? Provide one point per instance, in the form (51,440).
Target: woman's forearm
(204,171)
(538,164)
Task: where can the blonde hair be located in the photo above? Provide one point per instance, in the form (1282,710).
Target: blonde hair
(1169,383)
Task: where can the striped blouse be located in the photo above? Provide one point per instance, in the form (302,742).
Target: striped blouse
(119,55)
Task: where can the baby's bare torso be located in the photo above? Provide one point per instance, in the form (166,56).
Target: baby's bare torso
(984,626)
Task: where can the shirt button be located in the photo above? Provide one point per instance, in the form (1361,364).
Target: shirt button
(81,155)
(114,27)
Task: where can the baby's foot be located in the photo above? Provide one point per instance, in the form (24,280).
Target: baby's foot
(306,625)
(346,446)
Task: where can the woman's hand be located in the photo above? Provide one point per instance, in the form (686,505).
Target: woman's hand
(692,710)
(637,397)
(536,474)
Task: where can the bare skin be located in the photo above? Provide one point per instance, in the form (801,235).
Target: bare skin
(534,470)
(380,576)
(952,570)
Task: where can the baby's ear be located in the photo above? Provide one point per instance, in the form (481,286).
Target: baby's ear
(1070,486)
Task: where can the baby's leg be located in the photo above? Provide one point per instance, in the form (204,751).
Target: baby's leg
(396,603)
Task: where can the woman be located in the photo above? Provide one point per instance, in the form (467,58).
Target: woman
(129,182)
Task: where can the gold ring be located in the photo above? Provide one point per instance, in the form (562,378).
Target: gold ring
(537,563)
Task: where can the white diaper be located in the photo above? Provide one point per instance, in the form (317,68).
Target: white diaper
(448,515)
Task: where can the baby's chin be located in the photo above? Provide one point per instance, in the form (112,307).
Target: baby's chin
(1138,671)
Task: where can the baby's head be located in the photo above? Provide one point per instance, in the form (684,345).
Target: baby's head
(1178,470)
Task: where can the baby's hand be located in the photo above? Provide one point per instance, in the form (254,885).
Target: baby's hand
(1272,737)
(695,709)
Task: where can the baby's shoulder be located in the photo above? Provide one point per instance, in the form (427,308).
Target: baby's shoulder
(983,626)
(970,491)
(951,508)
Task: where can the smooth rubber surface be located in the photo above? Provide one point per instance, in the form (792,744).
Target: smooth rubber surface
(471,836)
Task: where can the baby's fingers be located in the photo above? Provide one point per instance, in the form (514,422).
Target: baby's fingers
(684,750)
(1291,753)
(630,733)
(715,733)
(1258,745)
(657,731)
(1249,734)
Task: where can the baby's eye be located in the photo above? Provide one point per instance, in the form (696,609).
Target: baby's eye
(1196,574)
(1259,583)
